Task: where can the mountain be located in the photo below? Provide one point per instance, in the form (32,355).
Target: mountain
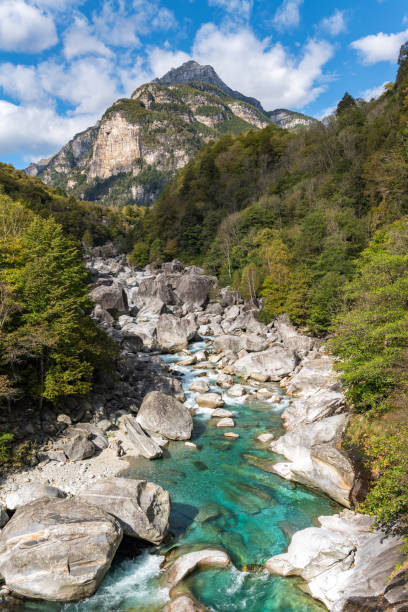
(133,152)
(290,120)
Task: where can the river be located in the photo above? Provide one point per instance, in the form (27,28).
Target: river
(222,495)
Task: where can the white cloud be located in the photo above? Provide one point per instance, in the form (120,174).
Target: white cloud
(21,83)
(238,8)
(255,67)
(88,84)
(57,5)
(35,131)
(334,24)
(326,112)
(287,16)
(25,28)
(380,47)
(78,40)
(119,26)
(374,92)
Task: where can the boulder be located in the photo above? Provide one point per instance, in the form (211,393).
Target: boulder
(102,315)
(247,321)
(228,298)
(193,290)
(314,407)
(231,434)
(209,400)
(265,437)
(142,508)
(344,561)
(29,493)
(184,603)
(112,297)
(236,391)
(272,364)
(221,413)
(315,373)
(226,422)
(291,338)
(58,549)
(163,414)
(200,386)
(146,331)
(225,380)
(174,334)
(235,344)
(184,565)
(151,288)
(78,447)
(143,444)
(314,458)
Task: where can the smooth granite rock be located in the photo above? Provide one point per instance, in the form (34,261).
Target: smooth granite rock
(58,549)
(142,508)
(163,414)
(314,458)
(272,364)
(28,493)
(144,444)
(173,333)
(184,565)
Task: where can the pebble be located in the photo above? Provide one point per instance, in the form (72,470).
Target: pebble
(231,434)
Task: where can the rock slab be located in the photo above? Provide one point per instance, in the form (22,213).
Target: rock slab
(142,508)
(58,549)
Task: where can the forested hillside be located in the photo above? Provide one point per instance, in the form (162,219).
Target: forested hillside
(49,346)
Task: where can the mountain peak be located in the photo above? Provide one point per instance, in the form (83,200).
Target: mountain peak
(191,72)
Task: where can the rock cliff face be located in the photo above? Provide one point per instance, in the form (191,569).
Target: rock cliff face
(290,120)
(140,142)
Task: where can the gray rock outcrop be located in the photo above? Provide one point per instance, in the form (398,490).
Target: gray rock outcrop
(174,334)
(166,416)
(272,364)
(343,560)
(58,549)
(142,508)
(29,493)
(110,297)
(314,458)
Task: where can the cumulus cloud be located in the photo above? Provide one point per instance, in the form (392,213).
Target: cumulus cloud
(380,47)
(78,40)
(288,15)
(25,28)
(255,67)
(119,25)
(373,93)
(35,131)
(21,83)
(334,24)
(238,8)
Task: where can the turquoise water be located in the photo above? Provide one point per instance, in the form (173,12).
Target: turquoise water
(222,494)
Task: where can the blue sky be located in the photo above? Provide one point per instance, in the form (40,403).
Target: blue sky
(63,62)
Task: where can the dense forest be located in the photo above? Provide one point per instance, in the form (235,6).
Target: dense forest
(314,222)
(49,346)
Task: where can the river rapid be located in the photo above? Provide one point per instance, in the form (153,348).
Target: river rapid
(222,495)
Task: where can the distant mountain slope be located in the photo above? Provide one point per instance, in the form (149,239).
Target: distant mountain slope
(142,141)
(290,120)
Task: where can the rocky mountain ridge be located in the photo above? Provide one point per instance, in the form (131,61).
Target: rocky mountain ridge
(133,152)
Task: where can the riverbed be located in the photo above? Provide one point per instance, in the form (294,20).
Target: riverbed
(222,495)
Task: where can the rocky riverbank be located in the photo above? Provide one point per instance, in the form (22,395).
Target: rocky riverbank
(140,406)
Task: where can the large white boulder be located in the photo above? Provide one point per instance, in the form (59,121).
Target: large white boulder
(164,415)
(142,508)
(344,561)
(314,458)
(272,364)
(58,549)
